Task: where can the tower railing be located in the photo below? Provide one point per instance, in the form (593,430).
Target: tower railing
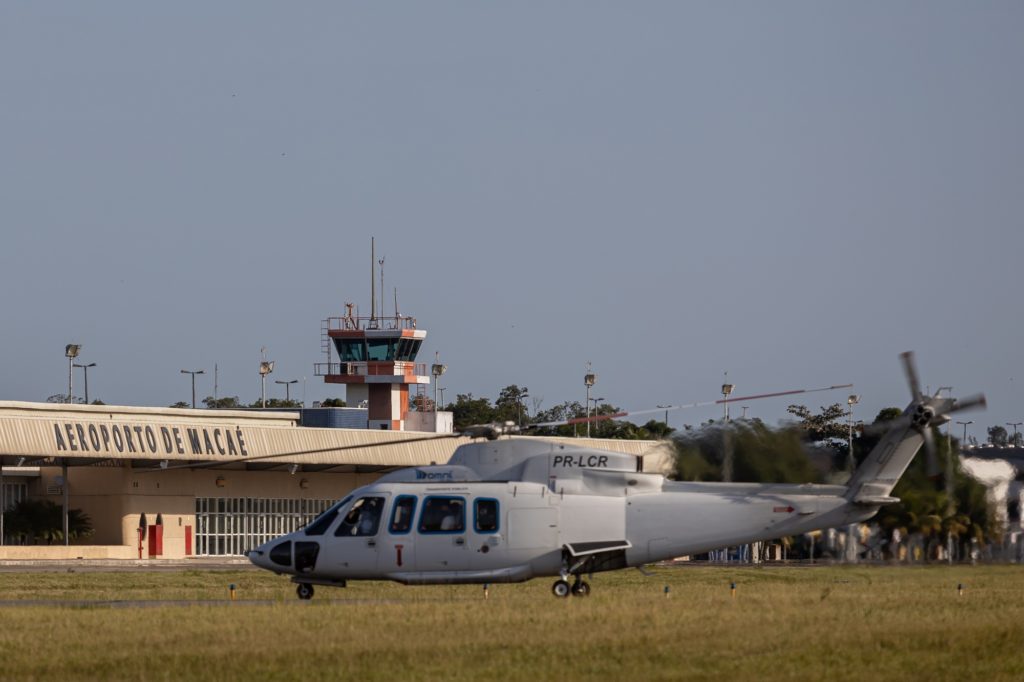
(359,323)
(369,368)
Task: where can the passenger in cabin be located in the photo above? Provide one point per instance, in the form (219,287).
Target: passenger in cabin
(452,516)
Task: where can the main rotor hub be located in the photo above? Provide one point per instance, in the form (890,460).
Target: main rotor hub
(923,416)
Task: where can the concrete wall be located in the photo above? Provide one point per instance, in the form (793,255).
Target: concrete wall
(116,497)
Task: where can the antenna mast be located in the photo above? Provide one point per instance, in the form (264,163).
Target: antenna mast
(373,281)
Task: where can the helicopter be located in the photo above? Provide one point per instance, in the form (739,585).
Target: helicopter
(507,508)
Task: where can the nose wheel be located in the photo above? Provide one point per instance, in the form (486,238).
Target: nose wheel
(304,590)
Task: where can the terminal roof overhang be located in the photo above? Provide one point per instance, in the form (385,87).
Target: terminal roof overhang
(48,434)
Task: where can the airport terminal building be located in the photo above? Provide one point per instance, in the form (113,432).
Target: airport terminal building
(173,483)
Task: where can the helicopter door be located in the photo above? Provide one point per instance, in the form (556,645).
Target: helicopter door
(441,534)
(396,549)
(353,549)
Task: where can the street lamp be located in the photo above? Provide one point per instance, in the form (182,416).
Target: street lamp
(665,407)
(85,371)
(519,402)
(71,352)
(589,379)
(194,373)
(596,402)
(964,424)
(1014,425)
(441,391)
(287,388)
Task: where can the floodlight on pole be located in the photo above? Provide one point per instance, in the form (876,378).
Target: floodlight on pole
(437,369)
(287,386)
(193,373)
(71,352)
(727,389)
(850,462)
(85,371)
(266,367)
(589,379)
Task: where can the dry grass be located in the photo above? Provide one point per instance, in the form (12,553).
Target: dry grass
(837,623)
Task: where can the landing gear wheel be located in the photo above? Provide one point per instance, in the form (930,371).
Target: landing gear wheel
(560,589)
(304,590)
(581,589)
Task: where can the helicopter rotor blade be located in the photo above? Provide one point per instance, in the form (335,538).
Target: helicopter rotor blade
(670,408)
(932,465)
(971,401)
(297,453)
(910,370)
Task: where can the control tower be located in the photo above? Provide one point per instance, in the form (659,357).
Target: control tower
(377,363)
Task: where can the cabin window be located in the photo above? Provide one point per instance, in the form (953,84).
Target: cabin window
(443,514)
(363,519)
(323,522)
(401,515)
(485,515)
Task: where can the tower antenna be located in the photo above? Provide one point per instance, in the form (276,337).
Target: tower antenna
(381,262)
(373,283)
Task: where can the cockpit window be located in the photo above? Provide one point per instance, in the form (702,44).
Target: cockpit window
(485,515)
(401,515)
(363,519)
(321,523)
(442,514)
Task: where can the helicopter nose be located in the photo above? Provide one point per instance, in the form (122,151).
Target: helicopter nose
(275,555)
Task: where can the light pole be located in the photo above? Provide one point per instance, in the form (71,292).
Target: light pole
(85,371)
(851,530)
(950,509)
(519,402)
(589,379)
(665,407)
(440,389)
(266,367)
(726,392)
(963,443)
(287,388)
(596,402)
(437,369)
(71,352)
(193,373)
(1014,425)
(850,461)
(727,446)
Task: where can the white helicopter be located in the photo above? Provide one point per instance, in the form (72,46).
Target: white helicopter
(509,509)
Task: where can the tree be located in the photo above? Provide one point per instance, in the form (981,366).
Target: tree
(760,454)
(277,403)
(333,402)
(509,405)
(31,521)
(181,404)
(468,410)
(62,398)
(226,403)
(997,436)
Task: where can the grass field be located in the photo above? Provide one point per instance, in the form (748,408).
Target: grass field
(835,623)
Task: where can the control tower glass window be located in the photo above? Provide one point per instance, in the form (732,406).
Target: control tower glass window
(379,350)
(351,350)
(407,349)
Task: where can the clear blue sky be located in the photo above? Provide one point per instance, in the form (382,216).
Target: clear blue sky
(793,192)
